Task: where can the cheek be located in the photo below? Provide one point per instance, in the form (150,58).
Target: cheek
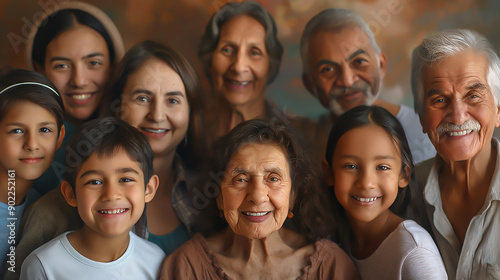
(133,115)
(219,66)
(100,77)
(60,80)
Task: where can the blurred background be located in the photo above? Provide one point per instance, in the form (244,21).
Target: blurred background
(398,25)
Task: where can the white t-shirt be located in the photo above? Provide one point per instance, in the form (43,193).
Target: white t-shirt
(407,253)
(59,260)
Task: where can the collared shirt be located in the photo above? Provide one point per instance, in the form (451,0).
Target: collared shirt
(479,256)
(181,202)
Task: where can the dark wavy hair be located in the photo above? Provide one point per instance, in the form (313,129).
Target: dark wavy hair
(373,115)
(210,38)
(311,208)
(133,60)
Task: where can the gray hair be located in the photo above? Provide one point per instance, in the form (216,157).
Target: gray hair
(210,38)
(440,45)
(333,19)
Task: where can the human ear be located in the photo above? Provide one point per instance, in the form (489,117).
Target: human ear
(292,200)
(220,202)
(404,177)
(328,172)
(68,193)
(60,138)
(497,124)
(151,188)
(382,65)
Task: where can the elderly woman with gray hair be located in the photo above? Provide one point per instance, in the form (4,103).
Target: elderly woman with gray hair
(241,55)
(455,83)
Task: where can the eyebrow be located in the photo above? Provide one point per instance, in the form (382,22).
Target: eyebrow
(378,157)
(480,86)
(148,92)
(238,170)
(67,59)
(350,57)
(22,124)
(356,53)
(117,171)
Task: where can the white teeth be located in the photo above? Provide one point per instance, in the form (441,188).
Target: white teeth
(155,130)
(459,133)
(259,214)
(362,199)
(114,211)
(239,83)
(81,96)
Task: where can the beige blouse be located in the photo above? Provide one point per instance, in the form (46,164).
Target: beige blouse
(194,260)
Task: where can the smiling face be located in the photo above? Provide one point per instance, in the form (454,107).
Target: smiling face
(366,169)
(77,62)
(460,111)
(255,192)
(110,193)
(240,62)
(29,139)
(154,100)
(343,70)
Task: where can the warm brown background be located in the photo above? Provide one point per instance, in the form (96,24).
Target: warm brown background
(399,25)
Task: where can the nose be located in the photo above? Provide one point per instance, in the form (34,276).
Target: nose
(157,111)
(31,143)
(367,179)
(111,192)
(79,77)
(257,192)
(458,112)
(347,77)
(240,62)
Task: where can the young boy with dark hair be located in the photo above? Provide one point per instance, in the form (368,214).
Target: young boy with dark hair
(109,178)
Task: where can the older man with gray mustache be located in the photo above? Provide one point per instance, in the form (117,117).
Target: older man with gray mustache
(456,88)
(344,67)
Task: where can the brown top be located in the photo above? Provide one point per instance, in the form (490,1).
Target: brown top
(195,260)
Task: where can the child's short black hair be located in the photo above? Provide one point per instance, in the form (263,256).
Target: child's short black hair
(30,86)
(104,136)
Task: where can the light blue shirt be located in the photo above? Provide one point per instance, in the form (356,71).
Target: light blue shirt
(9,228)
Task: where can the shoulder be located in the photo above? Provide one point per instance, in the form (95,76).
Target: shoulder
(42,257)
(422,260)
(329,261)
(146,248)
(417,242)
(187,261)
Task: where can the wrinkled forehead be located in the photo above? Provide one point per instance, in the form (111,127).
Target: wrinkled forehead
(341,42)
(459,69)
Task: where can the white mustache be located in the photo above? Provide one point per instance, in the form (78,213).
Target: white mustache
(467,125)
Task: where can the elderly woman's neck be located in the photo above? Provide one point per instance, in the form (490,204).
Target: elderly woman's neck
(237,114)
(469,175)
(252,250)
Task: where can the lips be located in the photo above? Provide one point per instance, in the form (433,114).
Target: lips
(256,217)
(459,133)
(154,132)
(112,211)
(236,85)
(31,160)
(255,214)
(81,98)
(365,199)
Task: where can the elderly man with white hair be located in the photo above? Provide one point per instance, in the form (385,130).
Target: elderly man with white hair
(344,67)
(456,87)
